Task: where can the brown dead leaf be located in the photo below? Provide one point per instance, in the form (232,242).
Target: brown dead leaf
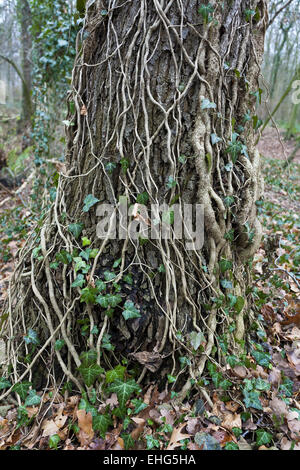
(240,371)
(151,360)
(83,110)
(85,423)
(177,436)
(279,407)
(49,428)
(232,406)
(285,444)
(243,444)
(232,421)
(275,377)
(192,426)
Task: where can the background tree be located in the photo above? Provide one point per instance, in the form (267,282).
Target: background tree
(162,110)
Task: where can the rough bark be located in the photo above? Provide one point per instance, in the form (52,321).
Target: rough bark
(140,79)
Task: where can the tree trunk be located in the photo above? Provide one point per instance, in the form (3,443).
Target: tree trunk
(25,22)
(164,94)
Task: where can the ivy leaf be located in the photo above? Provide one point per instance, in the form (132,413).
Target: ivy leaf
(207,442)
(228,200)
(124,390)
(215,139)
(116,373)
(80,264)
(79,281)
(88,357)
(196,339)
(22,389)
(90,373)
(139,405)
(251,399)
(32,399)
(206,104)
(54,441)
(171,182)
(100,285)
(88,295)
(106,344)
(231,446)
(89,202)
(128,441)
(225,265)
(117,262)
(76,229)
(262,358)
(239,304)
(142,198)
(101,423)
(64,257)
(130,311)
(226,284)
(4,383)
(262,385)
(109,276)
(85,241)
(263,437)
(62,43)
(32,337)
(205,11)
(59,344)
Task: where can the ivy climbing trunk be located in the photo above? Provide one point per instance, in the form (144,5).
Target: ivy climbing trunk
(162,111)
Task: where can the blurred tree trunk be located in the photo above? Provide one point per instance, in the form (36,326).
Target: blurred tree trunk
(24,14)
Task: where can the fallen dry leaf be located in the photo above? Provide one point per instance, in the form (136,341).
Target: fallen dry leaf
(85,423)
(177,436)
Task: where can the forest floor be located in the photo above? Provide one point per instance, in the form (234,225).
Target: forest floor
(254,403)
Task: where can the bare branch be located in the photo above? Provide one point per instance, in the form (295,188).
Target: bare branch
(279,11)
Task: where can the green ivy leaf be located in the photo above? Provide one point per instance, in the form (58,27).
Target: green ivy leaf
(225,265)
(116,373)
(79,281)
(59,344)
(207,442)
(90,373)
(130,311)
(101,423)
(76,229)
(263,437)
(4,383)
(139,405)
(231,446)
(88,295)
(124,390)
(88,357)
(109,276)
(215,139)
(64,257)
(85,241)
(54,441)
(32,399)
(262,358)
(226,284)
(142,198)
(32,337)
(89,202)
(196,338)
(251,399)
(22,389)
(206,104)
